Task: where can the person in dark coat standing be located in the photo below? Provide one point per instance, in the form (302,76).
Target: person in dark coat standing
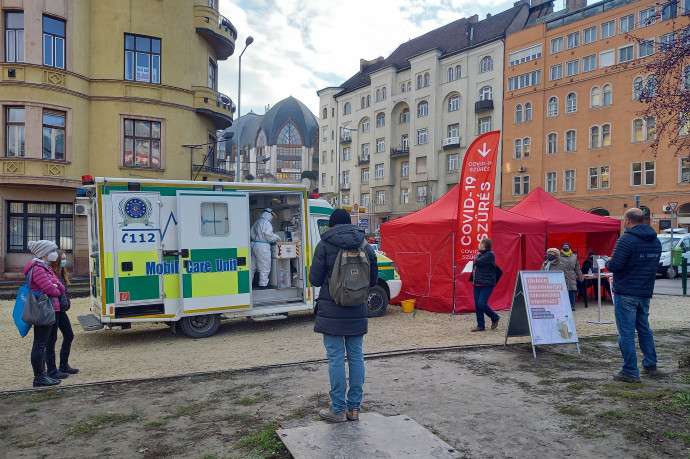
(484,279)
(343,327)
(634,264)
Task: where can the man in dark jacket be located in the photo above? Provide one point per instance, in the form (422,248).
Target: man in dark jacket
(634,264)
(343,327)
(484,278)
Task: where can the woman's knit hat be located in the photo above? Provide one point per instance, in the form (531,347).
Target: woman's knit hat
(554,250)
(42,248)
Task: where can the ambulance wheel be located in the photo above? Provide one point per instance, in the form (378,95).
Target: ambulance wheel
(377,301)
(200,326)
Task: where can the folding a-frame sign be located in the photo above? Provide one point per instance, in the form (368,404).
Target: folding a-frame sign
(541,310)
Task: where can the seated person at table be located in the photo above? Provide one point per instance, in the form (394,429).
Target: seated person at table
(590,264)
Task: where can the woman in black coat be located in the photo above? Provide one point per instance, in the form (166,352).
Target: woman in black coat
(484,278)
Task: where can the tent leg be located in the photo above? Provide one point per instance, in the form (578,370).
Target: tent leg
(454,282)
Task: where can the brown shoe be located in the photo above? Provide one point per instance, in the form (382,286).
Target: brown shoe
(476,329)
(495,324)
(330,416)
(352,414)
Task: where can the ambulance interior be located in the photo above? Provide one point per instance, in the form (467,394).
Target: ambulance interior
(286,282)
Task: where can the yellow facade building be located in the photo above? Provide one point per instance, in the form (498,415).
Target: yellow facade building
(104,88)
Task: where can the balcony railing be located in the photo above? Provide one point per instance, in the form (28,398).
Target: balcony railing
(216,105)
(451,142)
(400,152)
(213,170)
(345,186)
(362,160)
(217,29)
(346,139)
(483,105)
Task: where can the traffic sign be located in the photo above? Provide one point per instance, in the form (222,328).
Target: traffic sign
(673,205)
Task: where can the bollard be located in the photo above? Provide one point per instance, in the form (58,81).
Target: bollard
(684,271)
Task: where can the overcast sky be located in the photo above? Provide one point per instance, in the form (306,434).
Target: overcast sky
(303,46)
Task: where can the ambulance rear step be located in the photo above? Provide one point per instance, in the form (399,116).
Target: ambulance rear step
(269,317)
(90,322)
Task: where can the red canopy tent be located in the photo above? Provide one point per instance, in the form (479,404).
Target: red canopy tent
(584,231)
(422,245)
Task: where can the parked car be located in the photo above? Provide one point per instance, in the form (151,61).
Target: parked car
(681,239)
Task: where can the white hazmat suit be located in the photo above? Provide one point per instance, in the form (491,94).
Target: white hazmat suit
(262,237)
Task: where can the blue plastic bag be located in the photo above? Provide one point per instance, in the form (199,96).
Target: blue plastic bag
(22,294)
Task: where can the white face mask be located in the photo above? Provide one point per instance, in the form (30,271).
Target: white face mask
(52,256)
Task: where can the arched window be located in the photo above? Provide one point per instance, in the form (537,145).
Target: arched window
(458,72)
(383,93)
(366,125)
(419,81)
(571,103)
(427,79)
(378,95)
(650,125)
(527,146)
(454,103)
(364,101)
(552,107)
(595,97)
(650,86)
(451,74)
(422,109)
(380,120)
(485,93)
(594,137)
(486,64)
(528,111)
(607,95)
(403,87)
(518,114)
(409,86)
(638,87)
(638,130)
(325,113)
(605,135)
(289,144)
(368,101)
(517,148)
(405,116)
(347,109)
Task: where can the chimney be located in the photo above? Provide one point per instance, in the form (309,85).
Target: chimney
(363,63)
(573,5)
(473,19)
(488,15)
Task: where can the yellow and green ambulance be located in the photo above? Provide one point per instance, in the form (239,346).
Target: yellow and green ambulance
(180,252)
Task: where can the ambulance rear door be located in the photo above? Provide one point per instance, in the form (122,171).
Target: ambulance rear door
(213,234)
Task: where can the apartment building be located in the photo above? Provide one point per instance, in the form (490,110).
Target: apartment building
(393,136)
(573,123)
(106,88)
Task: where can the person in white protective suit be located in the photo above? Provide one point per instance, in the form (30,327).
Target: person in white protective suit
(262,237)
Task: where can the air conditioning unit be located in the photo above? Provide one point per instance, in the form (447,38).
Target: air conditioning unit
(81,206)
(666,208)
(522,169)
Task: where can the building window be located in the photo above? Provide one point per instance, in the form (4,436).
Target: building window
(626,53)
(483,125)
(593,178)
(366,125)
(569,180)
(608,97)
(589,63)
(427,80)
(571,103)
(595,97)
(572,67)
(486,64)
(608,30)
(452,162)
(454,103)
(528,111)
(485,93)
(380,120)
(142,143)
(325,114)
(647,17)
(419,81)
(521,148)
(556,45)
(347,108)
(607,58)
(365,199)
(520,185)
(347,153)
(626,24)
(324,157)
(142,58)
(346,178)
(594,137)
(551,185)
(380,145)
(421,193)
(405,169)
(573,40)
(405,116)
(53,42)
(378,95)
(599,178)
(518,114)
(404,195)
(33,221)
(556,72)
(323,179)
(451,74)
(378,171)
(212,75)
(669,10)
(362,103)
(421,136)
(458,72)
(524,55)
(405,142)
(53,135)
(666,41)
(14,121)
(684,168)
(643,173)
(570,141)
(605,135)
(380,197)
(365,175)
(422,109)
(346,199)
(552,144)
(552,107)
(524,81)
(14,36)
(453,130)
(589,35)
(644,130)
(645,48)
(365,151)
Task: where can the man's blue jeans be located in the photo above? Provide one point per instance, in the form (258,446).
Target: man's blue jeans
(336,346)
(481,304)
(632,313)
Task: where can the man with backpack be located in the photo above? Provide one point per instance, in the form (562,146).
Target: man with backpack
(344,266)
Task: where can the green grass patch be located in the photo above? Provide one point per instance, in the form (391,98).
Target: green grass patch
(631,392)
(156,423)
(30,409)
(682,400)
(97,421)
(299,414)
(570,410)
(568,357)
(209,456)
(264,444)
(679,435)
(257,398)
(577,386)
(615,415)
(43,395)
(26,441)
(4,426)
(186,410)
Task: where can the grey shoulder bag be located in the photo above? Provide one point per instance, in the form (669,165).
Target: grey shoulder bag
(38,311)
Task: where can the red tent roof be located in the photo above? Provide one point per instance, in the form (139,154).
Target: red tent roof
(560,217)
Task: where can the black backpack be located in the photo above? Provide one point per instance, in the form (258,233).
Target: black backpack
(349,283)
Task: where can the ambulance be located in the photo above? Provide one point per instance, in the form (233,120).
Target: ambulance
(179,252)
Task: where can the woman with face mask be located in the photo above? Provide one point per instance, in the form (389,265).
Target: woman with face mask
(62,323)
(553,261)
(44,279)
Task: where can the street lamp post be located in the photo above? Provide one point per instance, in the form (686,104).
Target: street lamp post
(249,41)
(212,150)
(340,153)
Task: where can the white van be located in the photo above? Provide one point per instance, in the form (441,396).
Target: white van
(681,239)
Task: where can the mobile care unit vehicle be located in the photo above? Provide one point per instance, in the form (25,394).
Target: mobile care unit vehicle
(180,252)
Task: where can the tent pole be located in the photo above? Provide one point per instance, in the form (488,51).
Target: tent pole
(454,278)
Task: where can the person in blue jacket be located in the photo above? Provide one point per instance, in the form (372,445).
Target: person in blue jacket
(634,264)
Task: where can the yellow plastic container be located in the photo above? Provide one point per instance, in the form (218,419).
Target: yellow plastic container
(407,305)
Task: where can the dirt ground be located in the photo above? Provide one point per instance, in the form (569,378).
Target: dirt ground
(149,350)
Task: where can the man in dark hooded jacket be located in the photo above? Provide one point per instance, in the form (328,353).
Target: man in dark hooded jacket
(343,327)
(634,264)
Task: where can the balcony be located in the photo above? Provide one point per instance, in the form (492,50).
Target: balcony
(216,29)
(483,105)
(362,161)
(400,152)
(451,142)
(215,105)
(213,170)
(346,139)
(345,186)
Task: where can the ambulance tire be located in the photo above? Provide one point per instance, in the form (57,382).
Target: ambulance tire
(377,301)
(201,326)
